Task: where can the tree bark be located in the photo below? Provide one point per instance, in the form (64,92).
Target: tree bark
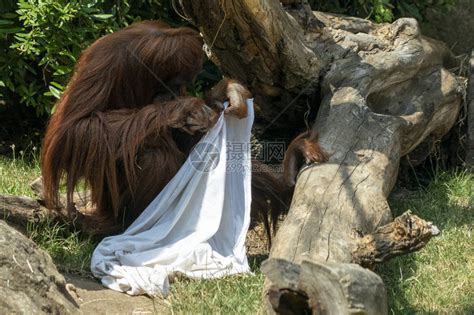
(383,90)
(258,43)
(22,210)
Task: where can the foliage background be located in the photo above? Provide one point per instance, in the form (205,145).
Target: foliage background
(42,39)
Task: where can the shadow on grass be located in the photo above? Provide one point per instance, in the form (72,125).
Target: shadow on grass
(448,203)
(255,261)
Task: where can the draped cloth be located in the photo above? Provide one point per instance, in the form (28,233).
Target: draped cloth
(195,226)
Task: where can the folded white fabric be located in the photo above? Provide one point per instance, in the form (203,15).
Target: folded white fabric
(196,225)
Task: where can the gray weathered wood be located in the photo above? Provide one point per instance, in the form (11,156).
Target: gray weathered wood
(21,210)
(407,233)
(335,288)
(37,187)
(384,89)
(330,288)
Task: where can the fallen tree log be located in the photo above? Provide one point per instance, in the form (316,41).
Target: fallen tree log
(334,288)
(383,89)
(330,288)
(21,211)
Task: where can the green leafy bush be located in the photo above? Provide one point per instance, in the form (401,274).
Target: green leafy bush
(42,39)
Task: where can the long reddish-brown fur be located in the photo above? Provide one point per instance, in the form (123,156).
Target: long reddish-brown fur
(123,126)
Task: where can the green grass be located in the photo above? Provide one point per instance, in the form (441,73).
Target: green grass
(438,279)
(240,294)
(17,174)
(70,250)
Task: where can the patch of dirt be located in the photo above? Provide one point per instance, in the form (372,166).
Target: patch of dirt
(93,298)
(256,241)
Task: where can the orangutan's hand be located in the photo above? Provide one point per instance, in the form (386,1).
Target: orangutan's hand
(232,91)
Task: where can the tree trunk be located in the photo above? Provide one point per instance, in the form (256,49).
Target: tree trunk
(382,89)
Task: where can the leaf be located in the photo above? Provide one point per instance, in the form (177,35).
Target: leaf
(61,70)
(57,85)
(29,68)
(6,22)
(54,92)
(102,16)
(67,54)
(51,110)
(10,30)
(9,15)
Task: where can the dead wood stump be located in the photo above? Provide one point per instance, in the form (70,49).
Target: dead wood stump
(383,89)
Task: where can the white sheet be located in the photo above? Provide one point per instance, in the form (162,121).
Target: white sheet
(196,225)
